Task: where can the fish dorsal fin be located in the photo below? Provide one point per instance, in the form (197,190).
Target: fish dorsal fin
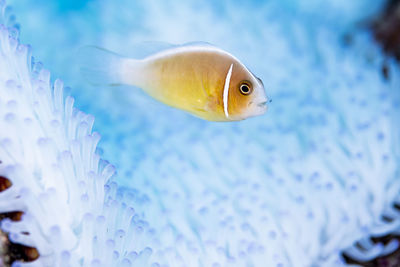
(148,48)
(198,44)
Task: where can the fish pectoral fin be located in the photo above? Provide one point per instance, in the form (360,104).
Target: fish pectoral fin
(207,108)
(211,105)
(205,91)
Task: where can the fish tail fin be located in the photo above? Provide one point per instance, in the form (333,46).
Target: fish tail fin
(100,66)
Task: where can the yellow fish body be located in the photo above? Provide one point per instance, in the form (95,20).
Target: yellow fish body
(202,80)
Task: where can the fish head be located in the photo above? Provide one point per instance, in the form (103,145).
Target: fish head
(247,97)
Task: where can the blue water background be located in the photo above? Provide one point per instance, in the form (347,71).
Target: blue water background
(321,164)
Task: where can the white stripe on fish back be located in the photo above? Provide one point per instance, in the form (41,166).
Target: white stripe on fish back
(226,90)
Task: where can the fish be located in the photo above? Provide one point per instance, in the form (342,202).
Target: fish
(201,79)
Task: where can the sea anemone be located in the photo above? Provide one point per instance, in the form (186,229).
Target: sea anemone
(317,177)
(48,161)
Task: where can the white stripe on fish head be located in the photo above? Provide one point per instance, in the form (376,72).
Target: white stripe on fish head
(226,90)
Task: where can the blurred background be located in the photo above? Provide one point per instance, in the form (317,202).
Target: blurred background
(314,182)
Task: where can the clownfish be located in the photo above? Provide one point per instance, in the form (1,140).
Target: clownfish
(200,79)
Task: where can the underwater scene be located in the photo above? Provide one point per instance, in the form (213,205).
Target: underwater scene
(255,133)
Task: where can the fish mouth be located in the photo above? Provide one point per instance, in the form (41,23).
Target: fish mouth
(262,107)
(262,104)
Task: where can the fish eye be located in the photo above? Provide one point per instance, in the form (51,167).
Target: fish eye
(245,88)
